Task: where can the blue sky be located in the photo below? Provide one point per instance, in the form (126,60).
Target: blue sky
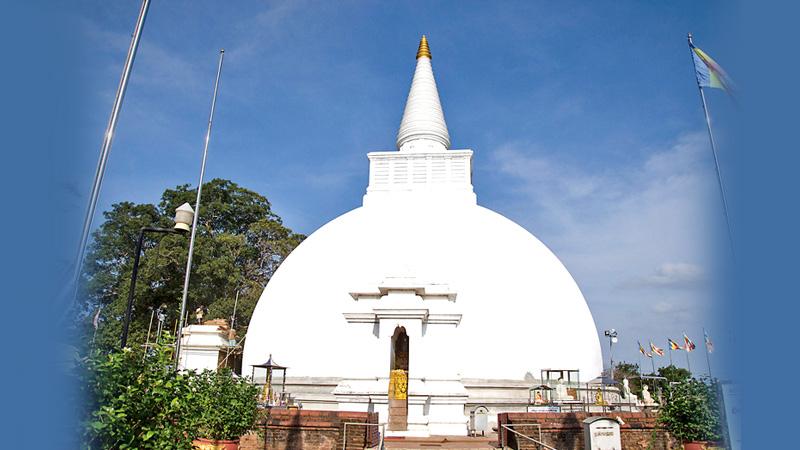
(584,118)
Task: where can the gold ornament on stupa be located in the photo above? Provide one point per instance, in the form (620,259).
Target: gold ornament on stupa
(424,50)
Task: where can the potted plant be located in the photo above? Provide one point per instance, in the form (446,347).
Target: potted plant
(228,409)
(691,413)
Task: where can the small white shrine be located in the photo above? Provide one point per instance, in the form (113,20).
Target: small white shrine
(207,347)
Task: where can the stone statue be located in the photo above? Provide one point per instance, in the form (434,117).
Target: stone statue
(561,390)
(646,398)
(199,313)
(630,397)
(598,397)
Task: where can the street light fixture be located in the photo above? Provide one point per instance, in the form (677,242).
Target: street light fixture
(612,339)
(184,215)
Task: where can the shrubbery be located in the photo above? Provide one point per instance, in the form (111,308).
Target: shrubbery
(228,405)
(691,411)
(140,402)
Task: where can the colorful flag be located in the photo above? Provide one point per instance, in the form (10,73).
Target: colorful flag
(674,345)
(641,349)
(656,350)
(689,345)
(708,72)
(709,344)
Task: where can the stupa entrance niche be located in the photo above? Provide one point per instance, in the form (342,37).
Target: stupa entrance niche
(398,381)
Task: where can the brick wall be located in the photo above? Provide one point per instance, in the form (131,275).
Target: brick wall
(565,430)
(293,429)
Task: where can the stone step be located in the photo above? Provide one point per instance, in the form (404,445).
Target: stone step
(440,442)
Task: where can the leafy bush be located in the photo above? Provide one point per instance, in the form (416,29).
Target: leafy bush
(691,411)
(228,405)
(139,402)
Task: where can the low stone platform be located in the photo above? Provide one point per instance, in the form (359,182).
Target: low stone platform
(564,431)
(443,442)
(293,429)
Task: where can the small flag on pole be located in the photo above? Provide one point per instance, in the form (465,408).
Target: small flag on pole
(689,345)
(656,350)
(709,344)
(643,351)
(674,345)
(708,72)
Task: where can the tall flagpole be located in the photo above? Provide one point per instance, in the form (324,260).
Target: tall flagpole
(179,331)
(669,346)
(713,150)
(688,364)
(708,357)
(108,138)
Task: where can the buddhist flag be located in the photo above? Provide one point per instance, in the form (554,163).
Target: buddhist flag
(674,345)
(643,351)
(689,345)
(708,72)
(709,344)
(656,350)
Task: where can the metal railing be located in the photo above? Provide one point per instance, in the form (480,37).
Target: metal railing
(380,437)
(537,442)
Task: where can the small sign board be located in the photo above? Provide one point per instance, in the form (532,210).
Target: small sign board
(544,408)
(601,433)
(481,420)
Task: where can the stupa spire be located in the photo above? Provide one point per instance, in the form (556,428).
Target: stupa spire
(423,127)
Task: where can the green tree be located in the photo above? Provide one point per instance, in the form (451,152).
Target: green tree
(673,373)
(240,243)
(691,411)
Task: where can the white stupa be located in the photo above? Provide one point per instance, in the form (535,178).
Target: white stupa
(421,278)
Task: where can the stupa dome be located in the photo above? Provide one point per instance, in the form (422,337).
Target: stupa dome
(521,311)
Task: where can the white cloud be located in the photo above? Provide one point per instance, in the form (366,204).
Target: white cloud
(635,236)
(670,275)
(156,65)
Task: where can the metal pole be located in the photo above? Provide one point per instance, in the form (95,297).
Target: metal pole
(688,364)
(149,327)
(713,151)
(134,275)
(161,318)
(611,355)
(669,346)
(708,357)
(197,212)
(235,302)
(107,140)
(123,341)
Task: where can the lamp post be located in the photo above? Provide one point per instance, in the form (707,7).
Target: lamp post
(612,339)
(184,215)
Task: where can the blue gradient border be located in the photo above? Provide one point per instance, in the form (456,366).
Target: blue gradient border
(42,96)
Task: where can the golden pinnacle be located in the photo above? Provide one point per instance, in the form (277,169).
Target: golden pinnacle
(423,48)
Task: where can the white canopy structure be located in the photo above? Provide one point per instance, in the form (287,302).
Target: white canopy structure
(479,300)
